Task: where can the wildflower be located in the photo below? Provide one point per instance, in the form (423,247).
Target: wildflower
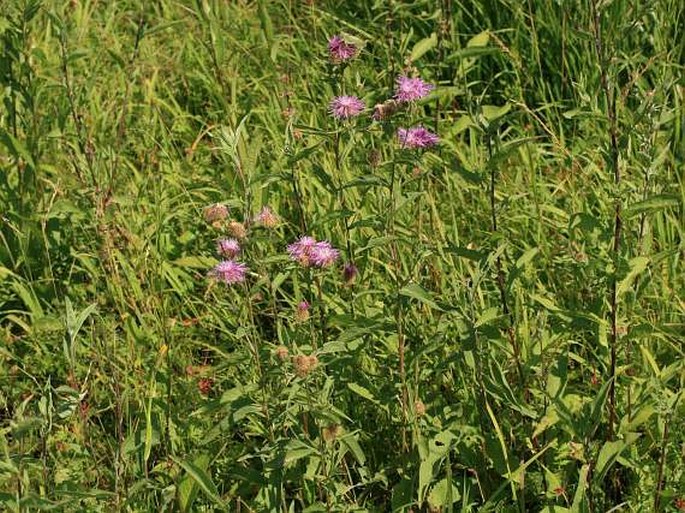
(323,254)
(417,137)
(205,385)
(216,212)
(345,107)
(282,353)
(228,247)
(411,89)
(302,311)
(339,50)
(305,364)
(350,272)
(237,229)
(267,218)
(300,251)
(229,271)
(382,111)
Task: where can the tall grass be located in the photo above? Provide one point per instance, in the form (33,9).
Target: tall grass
(509,339)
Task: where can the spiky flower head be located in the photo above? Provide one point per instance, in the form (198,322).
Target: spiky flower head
(216,212)
(228,247)
(305,364)
(340,50)
(417,137)
(301,250)
(302,311)
(267,217)
(411,89)
(323,254)
(345,107)
(237,229)
(229,271)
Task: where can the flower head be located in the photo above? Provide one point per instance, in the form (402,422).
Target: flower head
(411,89)
(344,107)
(350,272)
(228,247)
(308,252)
(301,250)
(216,212)
(229,271)
(323,254)
(339,50)
(417,137)
(267,217)
(302,311)
(237,229)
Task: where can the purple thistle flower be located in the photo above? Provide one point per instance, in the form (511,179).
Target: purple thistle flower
(344,107)
(339,50)
(229,271)
(417,137)
(228,247)
(323,254)
(301,250)
(411,89)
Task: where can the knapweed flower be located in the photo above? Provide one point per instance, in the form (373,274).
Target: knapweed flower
(216,212)
(308,252)
(350,272)
(305,364)
(382,111)
(339,50)
(417,137)
(267,218)
(237,229)
(323,254)
(229,271)
(228,247)
(411,89)
(302,311)
(345,107)
(301,250)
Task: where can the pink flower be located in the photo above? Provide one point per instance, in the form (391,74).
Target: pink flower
(228,247)
(417,137)
(301,250)
(267,218)
(229,271)
(302,311)
(339,50)
(308,252)
(323,254)
(411,89)
(344,107)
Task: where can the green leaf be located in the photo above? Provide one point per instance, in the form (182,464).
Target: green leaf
(416,291)
(478,40)
(187,490)
(201,478)
(652,204)
(637,265)
(443,494)
(423,46)
(362,392)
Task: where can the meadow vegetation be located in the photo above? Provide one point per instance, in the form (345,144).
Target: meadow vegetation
(289,255)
